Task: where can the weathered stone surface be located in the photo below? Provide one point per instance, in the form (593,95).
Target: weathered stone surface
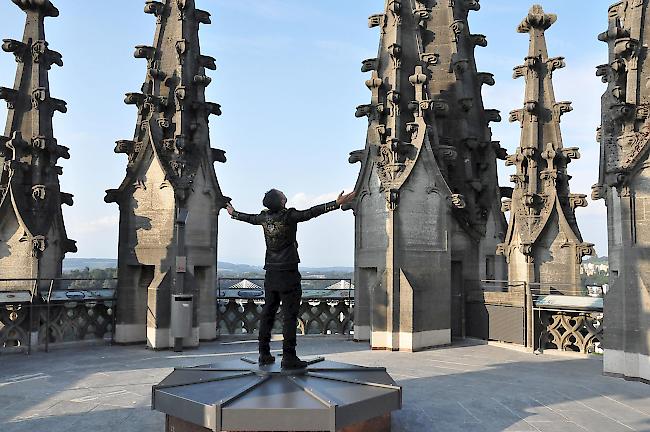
(427,194)
(170,171)
(624,182)
(33,239)
(543,244)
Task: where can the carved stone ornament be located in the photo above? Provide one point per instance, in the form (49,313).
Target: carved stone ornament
(457,201)
(554,64)
(38,192)
(561,108)
(486,78)
(570,153)
(144,52)
(378,20)
(155,8)
(39,244)
(493,115)
(431,59)
(181,50)
(422,15)
(526,249)
(10,96)
(604,71)
(516,116)
(578,200)
(369,65)
(124,147)
(598,192)
(39,96)
(202,17)
(208,62)
(625,47)
(44,6)
(18,48)
(479,40)
(537,19)
(471,5)
(584,249)
(457,28)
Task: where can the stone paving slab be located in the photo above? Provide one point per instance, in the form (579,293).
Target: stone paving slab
(466,387)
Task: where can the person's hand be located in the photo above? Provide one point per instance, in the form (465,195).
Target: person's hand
(230,209)
(344,199)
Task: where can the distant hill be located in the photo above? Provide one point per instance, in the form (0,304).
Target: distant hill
(225,267)
(92,263)
(595,260)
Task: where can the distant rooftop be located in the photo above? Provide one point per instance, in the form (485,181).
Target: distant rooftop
(245,284)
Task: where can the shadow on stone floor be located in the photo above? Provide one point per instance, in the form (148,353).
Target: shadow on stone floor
(466,387)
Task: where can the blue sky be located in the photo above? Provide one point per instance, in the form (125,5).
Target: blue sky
(288,80)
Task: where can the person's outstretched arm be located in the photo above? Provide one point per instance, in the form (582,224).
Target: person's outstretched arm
(305,215)
(253,219)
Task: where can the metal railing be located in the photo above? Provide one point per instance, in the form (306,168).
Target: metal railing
(327,306)
(56,310)
(553,315)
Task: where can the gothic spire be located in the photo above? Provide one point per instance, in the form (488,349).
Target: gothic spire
(401,114)
(29,182)
(172,110)
(542,209)
(170,198)
(466,152)
(428,169)
(623,183)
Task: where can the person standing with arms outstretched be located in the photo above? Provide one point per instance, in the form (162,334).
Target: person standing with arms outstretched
(282,279)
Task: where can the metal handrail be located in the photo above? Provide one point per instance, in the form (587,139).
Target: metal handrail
(349,298)
(41,297)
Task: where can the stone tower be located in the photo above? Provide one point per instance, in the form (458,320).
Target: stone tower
(543,243)
(468,155)
(427,192)
(623,183)
(33,239)
(170,199)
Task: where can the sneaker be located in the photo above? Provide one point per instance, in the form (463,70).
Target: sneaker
(293,362)
(265,359)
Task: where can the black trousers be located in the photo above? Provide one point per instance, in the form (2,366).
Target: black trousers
(281,287)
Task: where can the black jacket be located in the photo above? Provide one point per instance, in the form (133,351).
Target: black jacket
(280,233)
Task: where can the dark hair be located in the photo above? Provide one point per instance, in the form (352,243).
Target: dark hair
(273,200)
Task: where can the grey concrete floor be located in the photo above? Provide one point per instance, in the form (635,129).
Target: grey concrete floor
(465,387)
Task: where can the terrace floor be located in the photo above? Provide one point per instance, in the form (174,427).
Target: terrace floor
(465,387)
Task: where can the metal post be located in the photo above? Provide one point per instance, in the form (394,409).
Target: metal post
(113,315)
(218,300)
(529,316)
(47,319)
(31,314)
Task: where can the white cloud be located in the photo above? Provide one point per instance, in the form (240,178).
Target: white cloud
(97,225)
(303,200)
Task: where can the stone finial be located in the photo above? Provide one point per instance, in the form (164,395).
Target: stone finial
(537,19)
(44,6)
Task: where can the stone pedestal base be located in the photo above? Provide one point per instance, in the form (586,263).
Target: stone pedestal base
(243,396)
(378,424)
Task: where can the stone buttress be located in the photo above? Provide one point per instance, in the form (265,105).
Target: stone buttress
(427,191)
(33,238)
(543,244)
(170,199)
(624,184)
